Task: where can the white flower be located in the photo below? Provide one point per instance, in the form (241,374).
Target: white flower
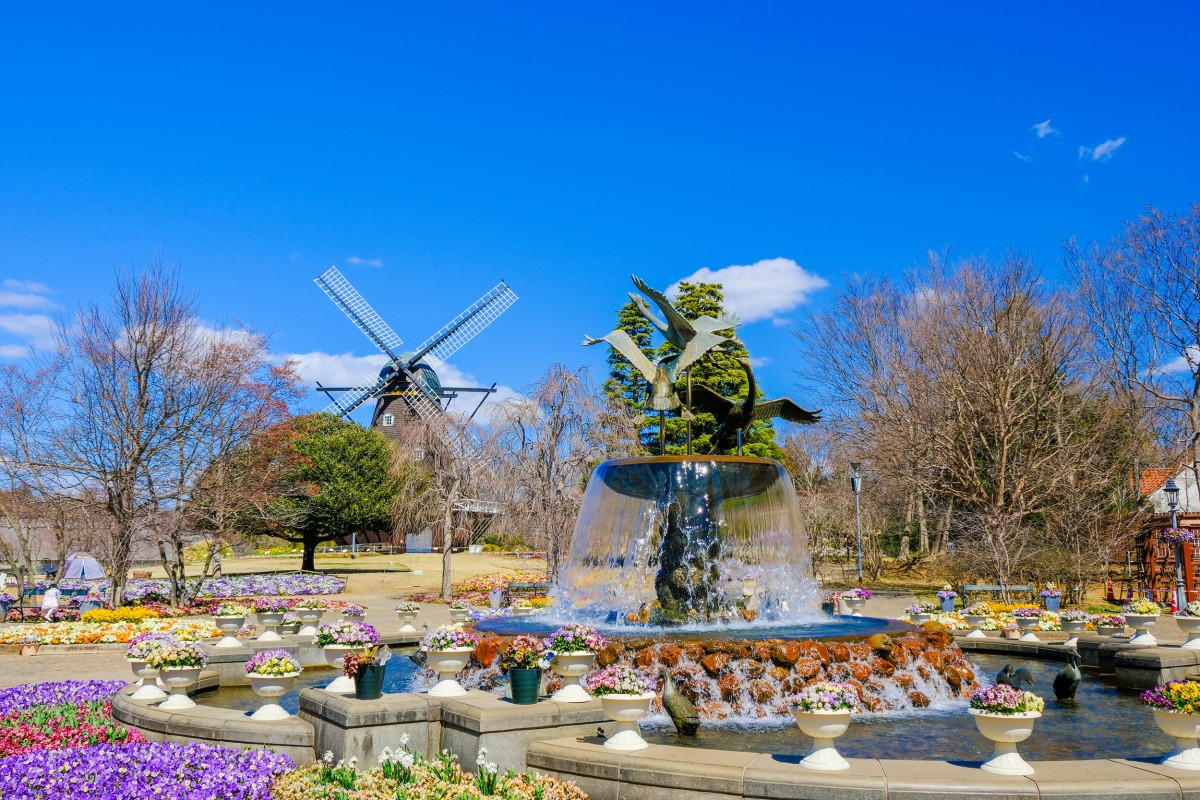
(404,739)
(328,757)
(407,760)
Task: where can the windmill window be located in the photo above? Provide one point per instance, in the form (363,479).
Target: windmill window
(388,420)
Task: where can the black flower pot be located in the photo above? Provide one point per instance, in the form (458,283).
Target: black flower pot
(524,683)
(368,681)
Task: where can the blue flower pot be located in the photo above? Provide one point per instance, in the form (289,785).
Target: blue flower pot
(1052,603)
(947,604)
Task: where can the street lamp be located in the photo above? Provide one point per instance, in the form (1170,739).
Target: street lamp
(856,485)
(1171,490)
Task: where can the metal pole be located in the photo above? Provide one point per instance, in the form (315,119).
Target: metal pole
(856,485)
(1180,587)
(662,433)
(689,408)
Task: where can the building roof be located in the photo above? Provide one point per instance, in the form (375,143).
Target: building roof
(1153,479)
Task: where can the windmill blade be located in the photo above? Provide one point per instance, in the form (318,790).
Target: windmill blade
(351,399)
(467,325)
(354,306)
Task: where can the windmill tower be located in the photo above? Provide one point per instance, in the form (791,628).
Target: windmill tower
(407,387)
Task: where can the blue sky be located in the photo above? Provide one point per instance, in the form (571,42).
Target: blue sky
(430,150)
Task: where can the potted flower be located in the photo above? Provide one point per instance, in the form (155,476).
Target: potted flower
(180,664)
(270,613)
(1176,707)
(137,653)
(6,601)
(521,661)
(1109,624)
(366,668)
(521,607)
(1188,620)
(946,598)
(459,610)
(921,613)
(626,696)
(310,612)
(1074,622)
(832,603)
(1027,618)
(1051,597)
(353,611)
(822,711)
(975,615)
(91,600)
(1011,630)
(229,619)
(271,674)
(1005,715)
(336,639)
(574,647)
(29,644)
(496,596)
(448,649)
(290,625)
(854,599)
(407,612)
(1142,614)
(1176,535)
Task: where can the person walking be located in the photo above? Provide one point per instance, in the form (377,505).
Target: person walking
(50,602)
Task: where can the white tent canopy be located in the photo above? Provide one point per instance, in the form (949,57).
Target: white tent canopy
(82,566)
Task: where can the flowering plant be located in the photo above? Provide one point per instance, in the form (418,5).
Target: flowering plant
(1075,615)
(177,655)
(825,696)
(1001,699)
(1109,621)
(520,602)
(1182,697)
(1010,627)
(408,608)
(310,603)
(1027,612)
(450,637)
(947,592)
(576,638)
(94,593)
(618,679)
(232,610)
(291,618)
(346,634)
(523,653)
(460,605)
(1192,609)
(140,647)
(269,605)
(368,656)
(353,610)
(273,663)
(1050,591)
(1176,535)
(858,594)
(7,599)
(977,610)
(1142,606)
(922,608)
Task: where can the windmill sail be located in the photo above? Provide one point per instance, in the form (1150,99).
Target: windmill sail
(354,306)
(351,399)
(467,325)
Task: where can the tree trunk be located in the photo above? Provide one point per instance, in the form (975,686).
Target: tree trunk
(448,536)
(906,533)
(308,563)
(922,525)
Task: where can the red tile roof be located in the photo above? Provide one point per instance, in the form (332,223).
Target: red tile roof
(1153,478)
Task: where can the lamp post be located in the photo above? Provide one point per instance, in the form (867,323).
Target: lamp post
(1171,490)
(856,485)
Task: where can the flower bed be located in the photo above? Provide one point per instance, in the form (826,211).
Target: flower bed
(486,583)
(125,614)
(142,590)
(107,632)
(53,727)
(28,695)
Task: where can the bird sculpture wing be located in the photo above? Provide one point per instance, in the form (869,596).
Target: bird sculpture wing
(786,409)
(674,318)
(698,347)
(1023,675)
(640,302)
(707,401)
(621,341)
(706,324)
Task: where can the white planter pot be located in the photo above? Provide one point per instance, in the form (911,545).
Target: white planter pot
(920,619)
(271,687)
(147,681)
(1028,625)
(520,611)
(229,626)
(823,727)
(496,598)
(406,620)
(1112,631)
(1073,629)
(459,614)
(334,654)
(310,618)
(177,680)
(854,604)
(1184,728)
(1141,624)
(290,628)
(269,621)
(571,667)
(1190,626)
(975,621)
(1005,730)
(626,710)
(447,664)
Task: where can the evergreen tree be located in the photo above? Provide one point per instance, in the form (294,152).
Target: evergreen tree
(625,386)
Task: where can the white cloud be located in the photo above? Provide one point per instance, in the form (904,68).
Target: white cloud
(1185,362)
(759,361)
(1043,129)
(761,290)
(365,262)
(27,286)
(1023,157)
(25,300)
(1103,151)
(34,328)
(13,351)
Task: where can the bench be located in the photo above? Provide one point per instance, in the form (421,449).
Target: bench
(29,607)
(528,589)
(992,588)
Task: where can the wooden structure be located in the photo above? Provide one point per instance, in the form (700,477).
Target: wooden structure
(1154,558)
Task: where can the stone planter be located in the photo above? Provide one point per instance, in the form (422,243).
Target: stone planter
(823,727)
(626,710)
(177,680)
(1073,629)
(229,626)
(290,628)
(1111,631)
(459,614)
(1052,603)
(270,621)
(1141,624)
(1028,625)
(310,618)
(29,649)
(146,690)
(1007,634)
(975,621)
(271,687)
(406,620)
(571,667)
(520,611)
(1184,728)
(334,654)
(854,604)
(1005,730)
(921,619)
(1190,626)
(447,664)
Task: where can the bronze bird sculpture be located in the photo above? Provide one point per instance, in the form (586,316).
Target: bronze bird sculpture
(1014,676)
(1066,682)
(733,416)
(679,708)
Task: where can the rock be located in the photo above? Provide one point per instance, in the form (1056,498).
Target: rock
(753,669)
(871,703)
(739,649)
(792,684)
(934,626)
(815,650)
(670,654)
(693,650)
(860,651)
(924,672)
(761,691)
(761,651)
(645,658)
(839,652)
(730,686)
(900,656)
(715,663)
(487,650)
(966,673)
(953,678)
(713,710)
(777,674)
(904,680)
(881,643)
(607,656)
(918,699)
(881,666)
(748,615)
(785,654)
(860,671)
(934,659)
(807,668)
